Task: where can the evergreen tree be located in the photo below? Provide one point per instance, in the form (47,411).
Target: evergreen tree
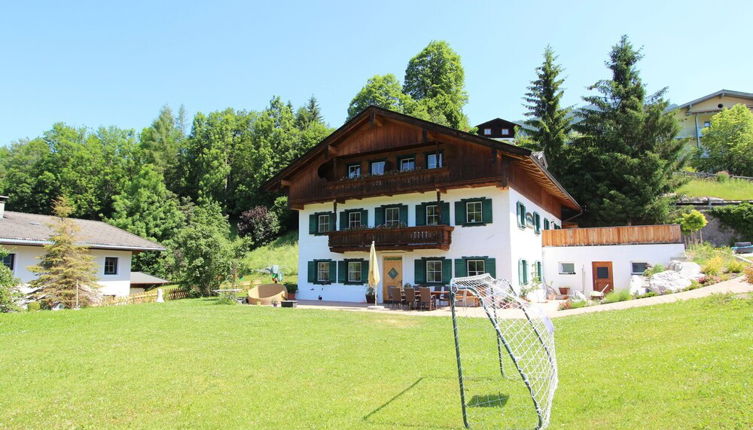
(66,273)
(549,121)
(624,160)
(161,142)
(309,114)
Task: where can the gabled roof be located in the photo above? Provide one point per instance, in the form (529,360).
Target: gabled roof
(20,228)
(370,113)
(500,121)
(720,93)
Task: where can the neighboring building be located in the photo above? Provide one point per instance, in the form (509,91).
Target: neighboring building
(498,129)
(438,203)
(140,282)
(695,115)
(23,235)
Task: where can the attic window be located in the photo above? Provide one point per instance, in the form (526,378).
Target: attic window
(720,105)
(487,132)
(505,132)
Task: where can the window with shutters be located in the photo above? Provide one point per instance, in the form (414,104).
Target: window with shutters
(521,215)
(322,271)
(354,171)
(392,216)
(475,267)
(354,219)
(523,272)
(537,271)
(473,213)
(434,271)
(354,271)
(546,224)
(433,215)
(536,222)
(434,160)
(322,223)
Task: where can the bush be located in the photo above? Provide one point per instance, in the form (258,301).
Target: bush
(653,270)
(617,296)
(227,299)
(722,176)
(735,266)
(33,306)
(646,295)
(714,266)
(737,217)
(709,280)
(749,274)
(572,304)
(291,287)
(259,224)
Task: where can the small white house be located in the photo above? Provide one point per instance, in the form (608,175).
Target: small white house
(23,236)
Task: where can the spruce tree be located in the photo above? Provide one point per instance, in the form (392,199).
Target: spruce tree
(66,273)
(549,122)
(626,155)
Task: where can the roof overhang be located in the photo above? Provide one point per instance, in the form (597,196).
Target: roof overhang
(720,93)
(28,242)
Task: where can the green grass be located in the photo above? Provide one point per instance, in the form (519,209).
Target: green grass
(283,251)
(196,364)
(734,189)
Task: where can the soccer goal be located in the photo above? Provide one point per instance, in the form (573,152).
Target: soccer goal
(504,346)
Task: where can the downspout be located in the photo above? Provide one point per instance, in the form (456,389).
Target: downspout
(697,131)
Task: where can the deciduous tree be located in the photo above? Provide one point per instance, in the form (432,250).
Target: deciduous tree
(728,142)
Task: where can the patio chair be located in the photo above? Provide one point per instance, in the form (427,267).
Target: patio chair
(425,299)
(393,296)
(444,297)
(410,298)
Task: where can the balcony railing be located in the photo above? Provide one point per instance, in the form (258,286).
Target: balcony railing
(391,182)
(392,238)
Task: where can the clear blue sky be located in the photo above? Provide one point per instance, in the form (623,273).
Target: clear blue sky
(116,63)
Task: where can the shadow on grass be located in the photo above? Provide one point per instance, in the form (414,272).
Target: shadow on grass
(488,401)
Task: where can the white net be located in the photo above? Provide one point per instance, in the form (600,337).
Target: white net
(507,366)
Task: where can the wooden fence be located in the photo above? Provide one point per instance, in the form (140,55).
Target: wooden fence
(148,297)
(624,235)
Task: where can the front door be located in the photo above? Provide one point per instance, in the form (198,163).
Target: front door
(602,273)
(392,274)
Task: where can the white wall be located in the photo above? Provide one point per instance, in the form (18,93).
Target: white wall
(118,285)
(621,256)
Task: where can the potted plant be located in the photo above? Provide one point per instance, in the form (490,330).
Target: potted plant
(370,295)
(292,288)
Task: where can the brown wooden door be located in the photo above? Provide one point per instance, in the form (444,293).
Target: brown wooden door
(602,274)
(392,274)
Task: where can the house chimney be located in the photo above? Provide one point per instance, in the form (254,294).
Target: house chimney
(3,199)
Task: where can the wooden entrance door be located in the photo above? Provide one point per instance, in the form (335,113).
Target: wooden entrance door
(602,275)
(392,274)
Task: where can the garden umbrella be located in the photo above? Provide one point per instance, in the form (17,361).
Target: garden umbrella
(374,272)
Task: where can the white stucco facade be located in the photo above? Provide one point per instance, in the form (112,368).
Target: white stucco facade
(117,284)
(501,239)
(621,257)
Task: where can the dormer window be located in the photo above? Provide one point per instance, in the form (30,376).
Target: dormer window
(487,132)
(377,167)
(505,132)
(354,171)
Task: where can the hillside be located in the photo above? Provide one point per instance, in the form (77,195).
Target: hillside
(733,189)
(283,251)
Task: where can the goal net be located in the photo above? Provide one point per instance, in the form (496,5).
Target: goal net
(507,368)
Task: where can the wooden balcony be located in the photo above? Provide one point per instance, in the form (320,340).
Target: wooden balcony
(390,183)
(392,238)
(623,235)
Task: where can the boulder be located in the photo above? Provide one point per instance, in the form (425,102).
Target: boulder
(638,285)
(687,269)
(668,282)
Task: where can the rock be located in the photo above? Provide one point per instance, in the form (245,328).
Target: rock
(687,269)
(668,282)
(638,285)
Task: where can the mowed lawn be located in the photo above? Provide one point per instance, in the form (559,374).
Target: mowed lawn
(733,189)
(195,364)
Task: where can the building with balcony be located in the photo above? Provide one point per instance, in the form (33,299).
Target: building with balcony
(696,115)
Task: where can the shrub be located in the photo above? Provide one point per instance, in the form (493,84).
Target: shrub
(709,280)
(691,221)
(572,304)
(617,296)
(737,217)
(227,299)
(714,266)
(735,266)
(33,306)
(654,270)
(259,224)
(645,295)
(291,287)
(722,176)
(749,274)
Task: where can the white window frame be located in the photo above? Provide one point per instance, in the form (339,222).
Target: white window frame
(476,271)
(322,228)
(322,267)
(438,160)
(430,216)
(412,160)
(354,171)
(560,268)
(479,212)
(353,220)
(388,212)
(633,272)
(352,271)
(374,163)
(108,259)
(487,132)
(433,272)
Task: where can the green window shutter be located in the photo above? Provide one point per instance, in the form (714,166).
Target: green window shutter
(522,215)
(486,211)
(524,268)
(313,223)
(421,214)
(520,272)
(538,270)
(460,213)
(419,271)
(536,222)
(517,213)
(490,265)
(342,272)
(460,268)
(343,220)
(312,271)
(365,271)
(404,215)
(364,218)
(444,217)
(332,226)
(546,224)
(446,270)
(378,216)
(333,271)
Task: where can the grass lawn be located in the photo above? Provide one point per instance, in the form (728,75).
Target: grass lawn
(734,189)
(196,364)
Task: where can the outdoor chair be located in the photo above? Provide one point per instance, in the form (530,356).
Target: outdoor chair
(410,298)
(466,298)
(426,301)
(267,294)
(444,297)
(394,297)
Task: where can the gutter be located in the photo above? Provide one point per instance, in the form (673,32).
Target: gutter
(92,246)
